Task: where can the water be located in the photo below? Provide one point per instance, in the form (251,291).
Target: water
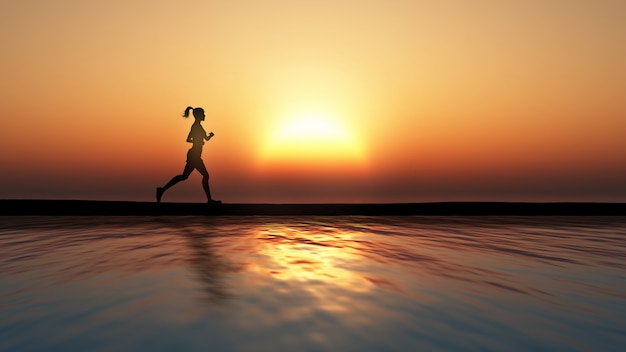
(312,283)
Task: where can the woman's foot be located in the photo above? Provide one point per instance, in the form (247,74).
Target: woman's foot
(214,202)
(159,194)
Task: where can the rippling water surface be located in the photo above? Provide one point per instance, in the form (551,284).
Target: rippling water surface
(312,283)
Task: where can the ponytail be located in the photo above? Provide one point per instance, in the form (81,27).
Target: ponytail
(186,114)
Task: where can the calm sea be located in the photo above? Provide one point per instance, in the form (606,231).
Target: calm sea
(312,283)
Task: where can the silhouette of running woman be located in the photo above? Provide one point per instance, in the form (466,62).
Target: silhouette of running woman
(196,136)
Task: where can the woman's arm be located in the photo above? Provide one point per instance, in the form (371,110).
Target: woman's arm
(211,134)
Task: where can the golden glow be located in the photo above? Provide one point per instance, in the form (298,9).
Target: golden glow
(300,255)
(312,136)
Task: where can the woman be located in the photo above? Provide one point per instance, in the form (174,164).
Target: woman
(196,136)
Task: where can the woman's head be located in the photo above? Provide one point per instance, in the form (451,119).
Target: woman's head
(198,113)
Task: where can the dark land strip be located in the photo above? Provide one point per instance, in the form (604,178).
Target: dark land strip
(117,208)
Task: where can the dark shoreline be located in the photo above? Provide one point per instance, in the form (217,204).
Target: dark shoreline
(14,207)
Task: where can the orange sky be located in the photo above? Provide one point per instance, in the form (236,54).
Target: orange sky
(326,101)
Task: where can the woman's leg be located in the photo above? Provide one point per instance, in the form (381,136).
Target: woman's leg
(186,172)
(205,180)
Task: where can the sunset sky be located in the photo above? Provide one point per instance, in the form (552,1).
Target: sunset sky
(315,101)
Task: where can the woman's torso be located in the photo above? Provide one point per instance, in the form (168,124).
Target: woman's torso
(197,136)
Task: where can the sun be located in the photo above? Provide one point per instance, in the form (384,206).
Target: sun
(312,137)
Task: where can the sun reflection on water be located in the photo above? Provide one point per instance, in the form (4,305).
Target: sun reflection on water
(308,254)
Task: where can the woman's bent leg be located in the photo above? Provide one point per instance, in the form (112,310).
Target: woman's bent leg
(186,172)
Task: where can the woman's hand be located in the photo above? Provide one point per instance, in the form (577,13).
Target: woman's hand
(211,134)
